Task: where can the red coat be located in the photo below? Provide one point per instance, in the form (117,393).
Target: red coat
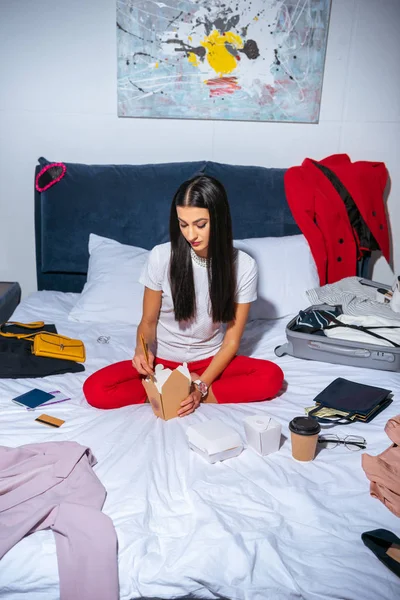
(320,212)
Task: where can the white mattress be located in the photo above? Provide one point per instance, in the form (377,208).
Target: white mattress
(249,528)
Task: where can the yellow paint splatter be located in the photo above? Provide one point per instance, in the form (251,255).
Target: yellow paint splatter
(190,38)
(156,65)
(192,58)
(255,19)
(219,58)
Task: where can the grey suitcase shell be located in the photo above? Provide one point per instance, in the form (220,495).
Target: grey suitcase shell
(339,352)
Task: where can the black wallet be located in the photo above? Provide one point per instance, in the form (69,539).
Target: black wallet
(360,402)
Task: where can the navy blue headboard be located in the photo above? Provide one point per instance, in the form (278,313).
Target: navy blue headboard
(131,203)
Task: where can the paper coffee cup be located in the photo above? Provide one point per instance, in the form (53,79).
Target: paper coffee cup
(304,433)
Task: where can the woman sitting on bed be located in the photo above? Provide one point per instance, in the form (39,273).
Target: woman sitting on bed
(193,286)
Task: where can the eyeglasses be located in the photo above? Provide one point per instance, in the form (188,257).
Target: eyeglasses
(351,442)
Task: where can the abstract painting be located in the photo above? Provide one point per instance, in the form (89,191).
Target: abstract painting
(249,60)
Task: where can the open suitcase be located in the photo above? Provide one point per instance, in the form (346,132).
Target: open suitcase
(324,349)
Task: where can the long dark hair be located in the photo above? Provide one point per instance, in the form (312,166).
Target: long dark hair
(203,191)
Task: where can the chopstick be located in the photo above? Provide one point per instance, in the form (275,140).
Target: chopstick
(146,353)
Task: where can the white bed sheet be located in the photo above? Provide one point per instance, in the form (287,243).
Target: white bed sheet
(249,528)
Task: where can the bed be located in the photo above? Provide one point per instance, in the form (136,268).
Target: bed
(249,528)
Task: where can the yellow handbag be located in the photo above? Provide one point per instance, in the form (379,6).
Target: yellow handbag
(51,345)
(54,345)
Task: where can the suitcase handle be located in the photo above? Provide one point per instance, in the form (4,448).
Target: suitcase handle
(359,352)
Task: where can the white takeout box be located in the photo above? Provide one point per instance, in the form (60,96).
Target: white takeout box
(263,434)
(214,440)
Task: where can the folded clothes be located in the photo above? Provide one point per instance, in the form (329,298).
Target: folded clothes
(17,360)
(354,297)
(383,470)
(386,329)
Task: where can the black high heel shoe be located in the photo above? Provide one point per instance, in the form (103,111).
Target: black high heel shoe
(382,541)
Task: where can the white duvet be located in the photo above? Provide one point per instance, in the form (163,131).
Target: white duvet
(250,528)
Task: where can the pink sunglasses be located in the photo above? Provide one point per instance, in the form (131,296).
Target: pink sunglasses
(49,175)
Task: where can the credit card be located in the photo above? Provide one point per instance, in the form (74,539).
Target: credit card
(48,420)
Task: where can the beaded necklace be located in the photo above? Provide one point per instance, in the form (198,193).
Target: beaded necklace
(199,260)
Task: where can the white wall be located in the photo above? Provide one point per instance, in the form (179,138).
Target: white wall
(58,100)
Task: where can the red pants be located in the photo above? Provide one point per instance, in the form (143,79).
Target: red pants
(244,380)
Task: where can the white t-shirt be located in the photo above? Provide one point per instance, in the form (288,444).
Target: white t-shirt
(198,338)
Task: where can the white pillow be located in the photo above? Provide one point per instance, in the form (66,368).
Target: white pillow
(286,270)
(112,292)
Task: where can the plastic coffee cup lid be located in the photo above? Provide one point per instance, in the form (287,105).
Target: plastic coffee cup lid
(304,426)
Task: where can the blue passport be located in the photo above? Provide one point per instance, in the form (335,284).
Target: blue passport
(33,398)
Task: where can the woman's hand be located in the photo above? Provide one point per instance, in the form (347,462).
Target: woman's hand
(140,364)
(190,404)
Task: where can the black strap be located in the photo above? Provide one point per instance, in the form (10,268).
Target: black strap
(338,323)
(362,234)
